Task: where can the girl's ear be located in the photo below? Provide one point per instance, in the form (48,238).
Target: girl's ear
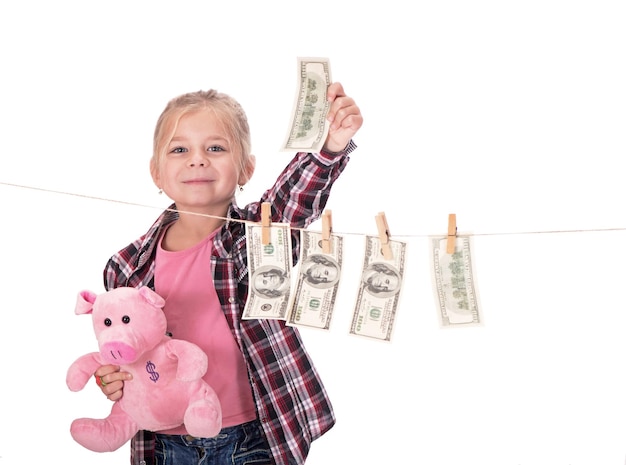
(154,172)
(248,170)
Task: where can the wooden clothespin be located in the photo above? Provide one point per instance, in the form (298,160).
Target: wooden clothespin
(451,233)
(383,234)
(266,222)
(327,229)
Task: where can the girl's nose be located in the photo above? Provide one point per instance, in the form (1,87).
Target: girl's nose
(197,158)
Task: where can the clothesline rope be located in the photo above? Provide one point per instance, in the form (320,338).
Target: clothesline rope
(135,204)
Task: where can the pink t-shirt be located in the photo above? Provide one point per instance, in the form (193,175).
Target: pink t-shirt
(193,312)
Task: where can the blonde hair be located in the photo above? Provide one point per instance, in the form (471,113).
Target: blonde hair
(226,108)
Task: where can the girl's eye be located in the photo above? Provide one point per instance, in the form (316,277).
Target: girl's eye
(215,148)
(178,150)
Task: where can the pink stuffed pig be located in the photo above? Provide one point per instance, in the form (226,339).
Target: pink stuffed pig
(166,390)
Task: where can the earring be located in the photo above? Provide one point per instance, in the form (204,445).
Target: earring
(160,191)
(240,188)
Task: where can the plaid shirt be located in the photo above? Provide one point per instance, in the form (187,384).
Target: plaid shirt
(291,401)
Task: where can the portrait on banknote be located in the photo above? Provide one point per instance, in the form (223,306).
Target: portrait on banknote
(381,279)
(271,281)
(320,271)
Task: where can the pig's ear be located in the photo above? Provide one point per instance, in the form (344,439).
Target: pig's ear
(151,297)
(84,302)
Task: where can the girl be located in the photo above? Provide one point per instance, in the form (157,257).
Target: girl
(273,401)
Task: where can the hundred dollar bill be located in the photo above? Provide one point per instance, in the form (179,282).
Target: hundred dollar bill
(317,282)
(453,280)
(308,126)
(269,268)
(379,290)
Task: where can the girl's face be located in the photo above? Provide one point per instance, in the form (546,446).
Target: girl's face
(200,171)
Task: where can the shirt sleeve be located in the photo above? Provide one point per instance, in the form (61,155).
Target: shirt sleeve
(301,191)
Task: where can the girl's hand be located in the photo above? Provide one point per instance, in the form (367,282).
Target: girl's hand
(111,381)
(344,116)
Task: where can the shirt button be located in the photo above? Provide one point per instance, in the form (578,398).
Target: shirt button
(231,299)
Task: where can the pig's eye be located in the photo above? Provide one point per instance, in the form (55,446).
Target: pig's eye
(107,322)
(125,319)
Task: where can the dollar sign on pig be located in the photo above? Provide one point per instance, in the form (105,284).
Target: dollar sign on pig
(150,368)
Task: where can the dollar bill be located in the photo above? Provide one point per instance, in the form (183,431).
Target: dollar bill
(454,285)
(374,314)
(308,126)
(269,268)
(313,299)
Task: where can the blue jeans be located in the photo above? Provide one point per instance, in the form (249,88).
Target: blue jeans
(243,444)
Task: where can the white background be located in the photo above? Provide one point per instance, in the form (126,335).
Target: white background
(510,114)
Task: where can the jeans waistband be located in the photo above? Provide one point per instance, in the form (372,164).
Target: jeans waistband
(224,432)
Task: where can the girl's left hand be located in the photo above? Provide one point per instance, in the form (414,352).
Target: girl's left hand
(344,116)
